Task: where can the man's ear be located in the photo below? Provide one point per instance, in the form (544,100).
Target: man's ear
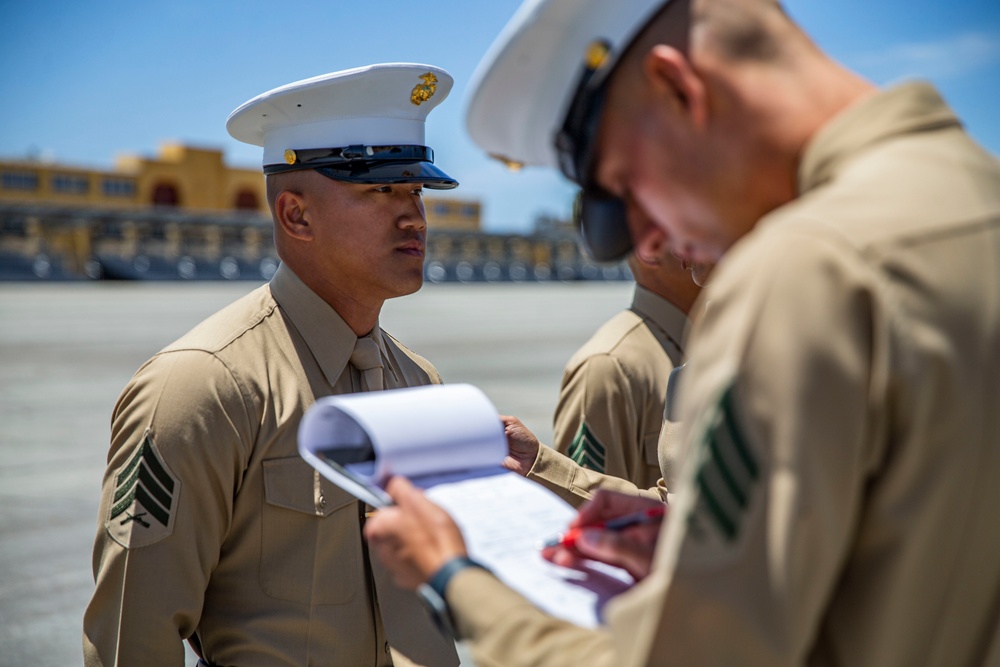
(652,252)
(670,75)
(649,242)
(290,215)
(652,248)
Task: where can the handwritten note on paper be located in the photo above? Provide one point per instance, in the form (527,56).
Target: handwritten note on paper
(503,518)
(449,440)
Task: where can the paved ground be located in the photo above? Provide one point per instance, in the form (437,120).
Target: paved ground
(66,351)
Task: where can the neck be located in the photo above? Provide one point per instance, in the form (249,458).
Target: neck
(359,311)
(800,98)
(361,317)
(683,296)
(785,107)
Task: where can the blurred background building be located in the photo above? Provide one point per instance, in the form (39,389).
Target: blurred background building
(186,215)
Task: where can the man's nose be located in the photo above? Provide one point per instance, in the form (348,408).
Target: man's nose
(412,214)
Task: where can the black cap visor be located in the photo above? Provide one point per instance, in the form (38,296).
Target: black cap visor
(369,164)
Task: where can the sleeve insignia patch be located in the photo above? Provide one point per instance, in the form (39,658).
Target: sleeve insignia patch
(727,472)
(145,496)
(587,450)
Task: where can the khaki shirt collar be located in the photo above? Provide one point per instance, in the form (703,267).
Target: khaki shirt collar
(904,109)
(661,312)
(325,332)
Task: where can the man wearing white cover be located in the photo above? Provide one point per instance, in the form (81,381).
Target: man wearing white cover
(836,501)
(212,529)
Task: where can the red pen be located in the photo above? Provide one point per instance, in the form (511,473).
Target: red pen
(569,538)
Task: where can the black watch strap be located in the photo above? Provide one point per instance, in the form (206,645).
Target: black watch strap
(432,592)
(439,582)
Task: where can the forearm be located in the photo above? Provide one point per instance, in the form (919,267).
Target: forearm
(503,628)
(123,626)
(576,484)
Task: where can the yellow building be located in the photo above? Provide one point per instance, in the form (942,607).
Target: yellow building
(194,180)
(186,215)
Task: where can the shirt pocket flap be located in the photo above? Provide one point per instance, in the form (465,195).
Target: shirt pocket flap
(293,484)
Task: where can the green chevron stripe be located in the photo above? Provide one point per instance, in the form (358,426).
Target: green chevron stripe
(728,471)
(125,503)
(722,519)
(130,468)
(587,450)
(155,489)
(144,480)
(736,490)
(737,436)
(128,484)
(150,506)
(150,459)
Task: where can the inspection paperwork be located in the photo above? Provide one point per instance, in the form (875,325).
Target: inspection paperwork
(449,440)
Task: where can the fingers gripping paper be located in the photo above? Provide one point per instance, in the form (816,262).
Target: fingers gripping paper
(449,440)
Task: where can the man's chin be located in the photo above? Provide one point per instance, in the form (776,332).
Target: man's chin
(408,287)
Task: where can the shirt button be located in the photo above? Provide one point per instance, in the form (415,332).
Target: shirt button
(387,647)
(322,501)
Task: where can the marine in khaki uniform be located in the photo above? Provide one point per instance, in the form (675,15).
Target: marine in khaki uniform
(836,501)
(610,408)
(212,528)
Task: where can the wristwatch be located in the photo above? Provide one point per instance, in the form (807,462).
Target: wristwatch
(431,593)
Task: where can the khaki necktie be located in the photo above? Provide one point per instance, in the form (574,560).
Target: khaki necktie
(367,358)
(406,622)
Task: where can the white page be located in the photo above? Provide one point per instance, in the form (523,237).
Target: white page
(449,440)
(413,431)
(503,518)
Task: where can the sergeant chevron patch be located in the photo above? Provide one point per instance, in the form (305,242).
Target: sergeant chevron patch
(145,495)
(726,477)
(587,450)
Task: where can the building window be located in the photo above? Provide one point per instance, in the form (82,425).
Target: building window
(109,230)
(71,184)
(470,211)
(246,200)
(118,187)
(441,208)
(165,194)
(20,180)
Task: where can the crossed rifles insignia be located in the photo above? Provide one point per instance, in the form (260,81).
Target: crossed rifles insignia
(424,91)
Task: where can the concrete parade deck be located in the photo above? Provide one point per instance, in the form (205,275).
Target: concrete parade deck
(67,350)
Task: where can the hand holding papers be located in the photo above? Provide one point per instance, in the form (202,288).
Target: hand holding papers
(449,440)
(428,434)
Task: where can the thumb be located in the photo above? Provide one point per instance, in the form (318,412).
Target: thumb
(399,489)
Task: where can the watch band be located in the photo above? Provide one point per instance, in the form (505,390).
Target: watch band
(439,582)
(432,592)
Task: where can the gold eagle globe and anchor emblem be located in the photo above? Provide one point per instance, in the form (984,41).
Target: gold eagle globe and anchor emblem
(424,91)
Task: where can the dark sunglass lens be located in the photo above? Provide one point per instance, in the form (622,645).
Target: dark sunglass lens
(603,226)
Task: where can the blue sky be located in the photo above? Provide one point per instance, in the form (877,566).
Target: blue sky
(82,83)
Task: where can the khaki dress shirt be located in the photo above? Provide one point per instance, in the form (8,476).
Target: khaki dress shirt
(837,501)
(211,525)
(610,407)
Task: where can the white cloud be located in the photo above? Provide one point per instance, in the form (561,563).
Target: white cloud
(948,58)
